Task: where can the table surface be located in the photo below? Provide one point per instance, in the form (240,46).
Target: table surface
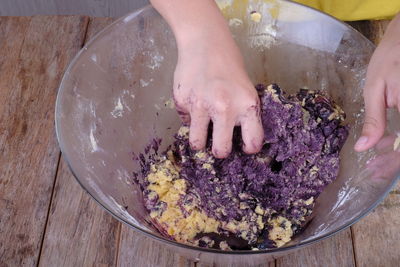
(47,219)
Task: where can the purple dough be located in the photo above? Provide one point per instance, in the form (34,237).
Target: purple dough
(303,136)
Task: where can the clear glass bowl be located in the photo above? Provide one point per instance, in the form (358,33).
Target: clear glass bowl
(112,102)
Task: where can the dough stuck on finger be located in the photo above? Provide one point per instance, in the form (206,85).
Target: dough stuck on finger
(182,113)
(198,129)
(252,132)
(185,118)
(222,137)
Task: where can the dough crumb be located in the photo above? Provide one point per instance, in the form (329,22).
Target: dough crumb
(255,16)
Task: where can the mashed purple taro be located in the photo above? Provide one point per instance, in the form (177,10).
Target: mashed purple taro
(249,201)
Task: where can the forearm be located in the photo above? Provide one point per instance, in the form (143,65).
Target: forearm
(193,19)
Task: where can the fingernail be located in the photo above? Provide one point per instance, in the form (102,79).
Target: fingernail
(362,141)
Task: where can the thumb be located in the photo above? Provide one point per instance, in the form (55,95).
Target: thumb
(375,117)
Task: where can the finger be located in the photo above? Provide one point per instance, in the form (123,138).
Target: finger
(222,137)
(198,129)
(391,98)
(182,112)
(181,101)
(252,130)
(375,116)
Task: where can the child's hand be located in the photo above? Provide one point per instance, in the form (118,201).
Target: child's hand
(211,84)
(382,87)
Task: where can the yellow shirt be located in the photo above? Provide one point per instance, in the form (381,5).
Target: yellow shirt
(349,10)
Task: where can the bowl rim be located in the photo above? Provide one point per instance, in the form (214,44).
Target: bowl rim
(160,238)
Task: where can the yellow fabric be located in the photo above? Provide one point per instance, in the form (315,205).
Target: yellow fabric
(350,10)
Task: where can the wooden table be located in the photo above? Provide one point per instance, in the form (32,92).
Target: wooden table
(46,218)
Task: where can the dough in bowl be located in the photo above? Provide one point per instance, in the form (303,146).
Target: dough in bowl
(248,201)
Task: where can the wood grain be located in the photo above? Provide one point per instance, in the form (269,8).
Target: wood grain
(33,56)
(95,26)
(79,231)
(267,264)
(138,250)
(376,238)
(98,8)
(34,53)
(335,251)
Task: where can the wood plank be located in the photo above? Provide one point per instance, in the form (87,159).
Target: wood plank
(79,243)
(97,8)
(79,231)
(335,251)
(267,264)
(96,25)
(12,34)
(138,250)
(34,52)
(376,237)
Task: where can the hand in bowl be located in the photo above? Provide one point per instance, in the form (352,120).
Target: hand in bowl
(210,82)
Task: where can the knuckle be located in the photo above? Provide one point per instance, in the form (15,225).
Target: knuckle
(372,86)
(199,104)
(181,101)
(221,106)
(251,111)
(253,107)
(371,123)
(251,99)
(252,102)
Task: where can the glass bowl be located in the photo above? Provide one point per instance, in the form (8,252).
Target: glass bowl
(113,100)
